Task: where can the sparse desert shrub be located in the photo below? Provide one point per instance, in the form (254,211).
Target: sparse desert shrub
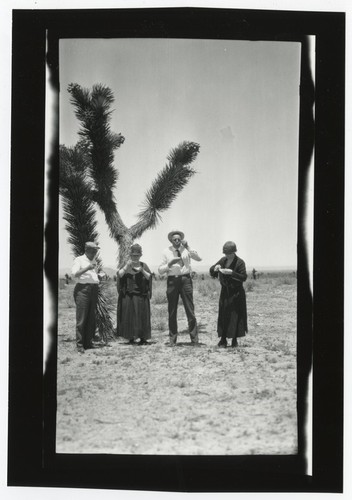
(285,280)
(65,360)
(159,296)
(242,355)
(208,287)
(159,319)
(66,300)
(70,302)
(282,346)
(96,362)
(159,324)
(249,286)
(262,394)
(181,383)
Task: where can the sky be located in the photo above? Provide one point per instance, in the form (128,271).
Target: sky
(238,99)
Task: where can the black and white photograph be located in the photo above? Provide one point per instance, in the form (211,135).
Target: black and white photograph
(187,145)
(189,193)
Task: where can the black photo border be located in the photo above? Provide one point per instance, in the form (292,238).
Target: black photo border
(32,396)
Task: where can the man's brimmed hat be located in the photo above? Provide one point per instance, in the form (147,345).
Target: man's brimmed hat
(92,245)
(170,235)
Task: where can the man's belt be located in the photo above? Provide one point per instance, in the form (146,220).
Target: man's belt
(179,275)
(87,283)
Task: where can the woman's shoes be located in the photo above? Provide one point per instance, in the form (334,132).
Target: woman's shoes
(222,343)
(141,342)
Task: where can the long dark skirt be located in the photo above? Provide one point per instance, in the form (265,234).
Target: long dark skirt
(232,318)
(134,316)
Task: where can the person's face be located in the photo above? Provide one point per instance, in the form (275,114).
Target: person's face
(229,254)
(91,253)
(135,257)
(176,240)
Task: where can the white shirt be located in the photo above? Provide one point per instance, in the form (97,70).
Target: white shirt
(178,269)
(89,276)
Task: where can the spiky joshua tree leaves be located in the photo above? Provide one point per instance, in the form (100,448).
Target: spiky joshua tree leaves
(80,217)
(92,166)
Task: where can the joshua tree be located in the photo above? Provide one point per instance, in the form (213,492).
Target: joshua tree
(92,108)
(88,176)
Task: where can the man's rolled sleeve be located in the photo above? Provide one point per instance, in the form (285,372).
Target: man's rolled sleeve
(163,266)
(75,267)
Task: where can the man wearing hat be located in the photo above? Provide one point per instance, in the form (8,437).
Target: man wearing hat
(85,271)
(176,263)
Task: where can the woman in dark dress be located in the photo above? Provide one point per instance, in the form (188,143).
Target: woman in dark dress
(134,289)
(232,318)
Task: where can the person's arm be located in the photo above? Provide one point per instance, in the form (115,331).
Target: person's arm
(77,271)
(144,269)
(149,278)
(123,270)
(239,273)
(214,270)
(163,268)
(192,253)
(166,263)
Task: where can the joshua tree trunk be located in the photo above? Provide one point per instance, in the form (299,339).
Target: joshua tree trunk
(125,242)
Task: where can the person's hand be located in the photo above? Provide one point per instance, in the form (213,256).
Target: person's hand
(225,271)
(126,266)
(217,268)
(185,243)
(176,260)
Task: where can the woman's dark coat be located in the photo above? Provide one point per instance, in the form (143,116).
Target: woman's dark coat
(232,318)
(133,310)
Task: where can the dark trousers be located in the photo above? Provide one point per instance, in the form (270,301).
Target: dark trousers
(176,286)
(86,298)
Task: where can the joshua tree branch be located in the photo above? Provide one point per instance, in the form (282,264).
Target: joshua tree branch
(169,182)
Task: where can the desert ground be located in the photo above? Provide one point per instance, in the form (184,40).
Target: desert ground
(123,399)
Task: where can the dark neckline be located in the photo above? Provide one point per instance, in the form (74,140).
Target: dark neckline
(233,263)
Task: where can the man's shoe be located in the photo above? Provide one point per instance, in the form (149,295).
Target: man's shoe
(80,350)
(234,343)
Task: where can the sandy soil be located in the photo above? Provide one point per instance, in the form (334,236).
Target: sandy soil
(154,399)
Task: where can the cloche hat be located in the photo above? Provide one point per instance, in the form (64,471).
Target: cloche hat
(136,249)
(229,247)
